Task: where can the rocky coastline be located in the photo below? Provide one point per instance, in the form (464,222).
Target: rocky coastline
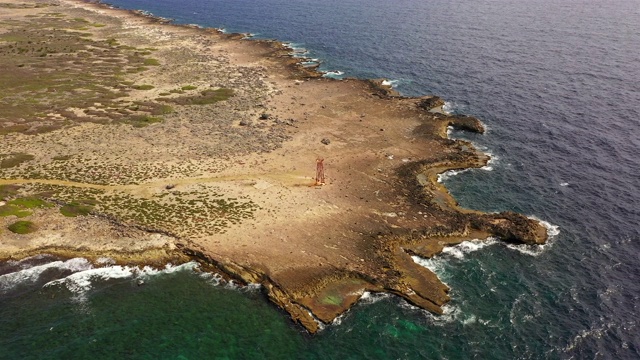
(230,168)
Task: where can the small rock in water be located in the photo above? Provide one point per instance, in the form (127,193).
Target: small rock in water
(140,282)
(325,141)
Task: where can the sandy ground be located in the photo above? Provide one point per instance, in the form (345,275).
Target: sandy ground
(315,249)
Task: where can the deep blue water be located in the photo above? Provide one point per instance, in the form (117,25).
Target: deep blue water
(558,85)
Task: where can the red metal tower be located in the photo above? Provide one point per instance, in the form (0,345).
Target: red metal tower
(319,172)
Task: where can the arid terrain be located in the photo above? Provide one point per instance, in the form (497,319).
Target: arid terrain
(122,135)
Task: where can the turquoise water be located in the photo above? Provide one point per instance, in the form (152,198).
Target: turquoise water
(558,85)
(186,314)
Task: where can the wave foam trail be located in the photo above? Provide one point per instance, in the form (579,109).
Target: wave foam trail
(465,247)
(82,281)
(32,274)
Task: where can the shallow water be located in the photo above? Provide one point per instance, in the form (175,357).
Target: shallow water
(558,85)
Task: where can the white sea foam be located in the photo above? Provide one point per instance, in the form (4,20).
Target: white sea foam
(447,174)
(82,281)
(392,83)
(564,184)
(493,159)
(370,298)
(435,264)
(450,314)
(234,285)
(465,247)
(32,274)
(337,74)
(214,278)
(470,320)
(448,106)
(338,320)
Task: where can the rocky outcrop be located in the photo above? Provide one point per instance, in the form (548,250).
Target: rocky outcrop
(430,102)
(513,227)
(463,122)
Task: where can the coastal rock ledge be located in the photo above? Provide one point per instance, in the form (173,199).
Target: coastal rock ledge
(188,144)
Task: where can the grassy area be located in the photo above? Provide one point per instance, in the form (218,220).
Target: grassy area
(22,227)
(21,207)
(205,97)
(12,210)
(189,87)
(30,203)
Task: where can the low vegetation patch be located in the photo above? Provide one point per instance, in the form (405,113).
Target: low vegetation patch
(12,210)
(20,207)
(151,62)
(203,98)
(14,160)
(30,203)
(77,208)
(143,87)
(53,64)
(8,190)
(142,121)
(22,227)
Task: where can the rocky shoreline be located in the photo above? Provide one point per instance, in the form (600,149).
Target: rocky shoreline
(230,168)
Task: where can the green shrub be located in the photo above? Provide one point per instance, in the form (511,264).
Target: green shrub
(151,62)
(22,227)
(143,87)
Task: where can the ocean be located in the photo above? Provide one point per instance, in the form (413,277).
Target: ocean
(557,83)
